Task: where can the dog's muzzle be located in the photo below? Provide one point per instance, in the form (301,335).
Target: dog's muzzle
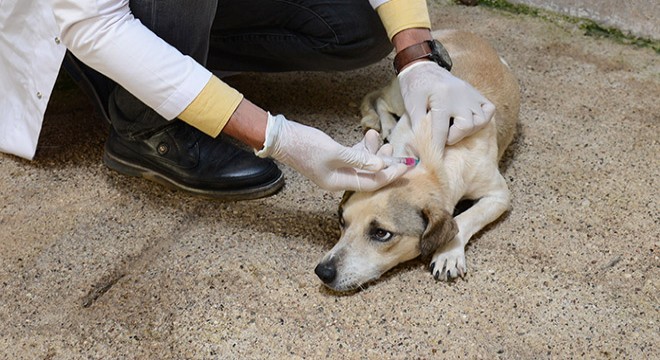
(326,271)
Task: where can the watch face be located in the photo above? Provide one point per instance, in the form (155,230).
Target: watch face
(440,54)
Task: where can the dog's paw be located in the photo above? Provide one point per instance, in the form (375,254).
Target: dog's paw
(449,262)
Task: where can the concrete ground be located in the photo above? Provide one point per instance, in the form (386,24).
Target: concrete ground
(99,265)
(634,17)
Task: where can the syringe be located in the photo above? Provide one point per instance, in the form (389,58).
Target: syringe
(391,160)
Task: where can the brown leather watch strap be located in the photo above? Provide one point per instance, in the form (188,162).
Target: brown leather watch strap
(412,53)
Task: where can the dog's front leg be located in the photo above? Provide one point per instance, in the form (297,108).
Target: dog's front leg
(449,261)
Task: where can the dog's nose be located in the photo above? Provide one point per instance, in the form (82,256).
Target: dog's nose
(326,272)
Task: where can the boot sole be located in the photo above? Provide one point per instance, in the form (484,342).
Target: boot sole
(131,169)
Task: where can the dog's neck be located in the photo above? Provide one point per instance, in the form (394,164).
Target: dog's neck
(434,179)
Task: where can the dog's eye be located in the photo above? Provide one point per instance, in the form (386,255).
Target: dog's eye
(342,222)
(380,235)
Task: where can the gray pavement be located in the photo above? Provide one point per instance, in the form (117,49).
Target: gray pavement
(94,264)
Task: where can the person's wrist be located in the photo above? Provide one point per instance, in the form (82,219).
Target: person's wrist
(427,50)
(248,124)
(407,38)
(272,130)
(411,55)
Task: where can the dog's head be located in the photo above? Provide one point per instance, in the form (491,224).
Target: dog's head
(382,229)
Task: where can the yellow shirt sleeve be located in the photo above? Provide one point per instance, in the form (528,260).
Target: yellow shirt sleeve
(398,15)
(212,108)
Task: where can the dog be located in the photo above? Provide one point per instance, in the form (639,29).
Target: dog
(414,215)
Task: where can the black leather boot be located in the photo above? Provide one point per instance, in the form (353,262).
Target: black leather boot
(178,155)
(182,157)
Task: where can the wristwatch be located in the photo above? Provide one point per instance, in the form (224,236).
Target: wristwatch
(430,49)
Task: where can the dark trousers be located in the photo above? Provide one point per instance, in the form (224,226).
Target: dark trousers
(254,35)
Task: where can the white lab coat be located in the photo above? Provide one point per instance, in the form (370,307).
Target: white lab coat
(34,35)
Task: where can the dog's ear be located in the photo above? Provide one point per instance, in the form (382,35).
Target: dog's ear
(347,195)
(344,199)
(440,229)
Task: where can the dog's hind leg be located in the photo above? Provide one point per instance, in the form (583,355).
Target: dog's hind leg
(381,109)
(449,261)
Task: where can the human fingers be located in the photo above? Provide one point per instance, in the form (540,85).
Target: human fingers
(440,123)
(371,181)
(462,127)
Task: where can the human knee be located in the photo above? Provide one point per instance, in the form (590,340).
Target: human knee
(351,34)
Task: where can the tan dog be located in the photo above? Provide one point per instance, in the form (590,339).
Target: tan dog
(413,215)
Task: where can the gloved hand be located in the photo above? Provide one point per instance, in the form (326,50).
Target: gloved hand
(327,163)
(425,87)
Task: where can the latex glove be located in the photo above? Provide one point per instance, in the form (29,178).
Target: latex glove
(327,163)
(425,87)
